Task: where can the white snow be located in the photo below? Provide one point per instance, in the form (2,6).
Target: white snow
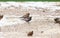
(26,5)
(10,21)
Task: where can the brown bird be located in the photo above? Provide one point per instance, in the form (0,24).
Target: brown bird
(26,17)
(1,16)
(57,20)
(30,33)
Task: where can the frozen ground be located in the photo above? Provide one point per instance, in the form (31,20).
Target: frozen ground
(43,14)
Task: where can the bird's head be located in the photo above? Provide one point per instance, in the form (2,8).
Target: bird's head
(27,13)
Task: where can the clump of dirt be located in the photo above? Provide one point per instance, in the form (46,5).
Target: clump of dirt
(30,33)
(57,20)
(42,31)
(1,16)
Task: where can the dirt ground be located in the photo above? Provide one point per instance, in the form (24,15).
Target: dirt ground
(42,23)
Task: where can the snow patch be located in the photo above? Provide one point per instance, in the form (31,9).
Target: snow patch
(10,21)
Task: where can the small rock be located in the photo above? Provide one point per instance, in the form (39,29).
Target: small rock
(42,31)
(1,16)
(57,20)
(30,33)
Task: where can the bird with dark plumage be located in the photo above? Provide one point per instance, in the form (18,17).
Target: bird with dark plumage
(26,17)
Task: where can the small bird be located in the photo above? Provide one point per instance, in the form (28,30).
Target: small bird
(57,20)
(30,33)
(1,16)
(26,17)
